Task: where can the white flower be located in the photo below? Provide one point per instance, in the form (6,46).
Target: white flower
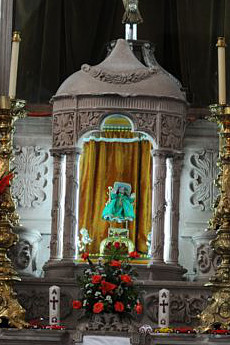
(88,271)
(84,303)
(89,291)
(97,293)
(109,299)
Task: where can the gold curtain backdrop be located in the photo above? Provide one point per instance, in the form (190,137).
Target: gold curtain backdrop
(105,162)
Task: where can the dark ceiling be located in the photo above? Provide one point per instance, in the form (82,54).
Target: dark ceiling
(58,36)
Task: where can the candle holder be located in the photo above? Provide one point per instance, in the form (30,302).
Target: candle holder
(10,309)
(217,313)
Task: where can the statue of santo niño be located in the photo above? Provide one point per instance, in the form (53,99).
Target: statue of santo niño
(119,207)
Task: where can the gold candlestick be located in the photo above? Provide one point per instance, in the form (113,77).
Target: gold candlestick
(218,310)
(10,309)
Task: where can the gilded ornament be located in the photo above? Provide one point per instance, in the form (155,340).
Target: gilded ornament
(218,309)
(10,308)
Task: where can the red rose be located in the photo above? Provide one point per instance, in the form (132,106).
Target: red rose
(119,306)
(115,263)
(126,278)
(134,255)
(77,304)
(85,256)
(117,245)
(98,307)
(139,308)
(107,287)
(96,279)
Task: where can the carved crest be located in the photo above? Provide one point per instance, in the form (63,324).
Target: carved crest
(128,77)
(63,130)
(171,131)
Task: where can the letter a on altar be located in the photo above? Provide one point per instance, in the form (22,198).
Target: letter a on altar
(54,305)
(163,309)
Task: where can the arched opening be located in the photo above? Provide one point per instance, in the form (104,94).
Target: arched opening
(114,157)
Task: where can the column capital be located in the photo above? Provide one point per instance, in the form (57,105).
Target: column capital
(177,156)
(64,152)
(160,153)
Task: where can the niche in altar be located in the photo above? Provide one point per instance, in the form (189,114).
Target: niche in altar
(121,121)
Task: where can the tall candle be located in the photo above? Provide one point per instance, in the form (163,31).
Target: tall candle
(221,70)
(14,64)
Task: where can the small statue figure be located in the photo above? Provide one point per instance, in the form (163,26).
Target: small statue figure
(119,208)
(132,14)
(84,241)
(148,243)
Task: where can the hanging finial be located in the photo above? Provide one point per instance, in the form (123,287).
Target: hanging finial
(131,18)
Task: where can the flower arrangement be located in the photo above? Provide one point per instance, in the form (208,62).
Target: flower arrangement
(108,286)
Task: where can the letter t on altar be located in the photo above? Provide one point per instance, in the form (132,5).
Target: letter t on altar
(163,310)
(54,305)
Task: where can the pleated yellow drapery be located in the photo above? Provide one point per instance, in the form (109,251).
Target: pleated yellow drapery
(103,163)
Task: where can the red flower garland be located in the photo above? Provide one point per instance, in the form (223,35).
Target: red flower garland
(5,182)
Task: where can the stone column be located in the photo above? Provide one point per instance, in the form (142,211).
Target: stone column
(57,207)
(70,219)
(172,212)
(6,13)
(158,206)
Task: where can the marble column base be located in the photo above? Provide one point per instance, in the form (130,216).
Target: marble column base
(166,272)
(60,269)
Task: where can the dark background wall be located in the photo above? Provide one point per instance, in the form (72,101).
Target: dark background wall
(58,36)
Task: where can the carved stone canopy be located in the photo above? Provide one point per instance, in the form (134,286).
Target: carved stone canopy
(121,73)
(149,96)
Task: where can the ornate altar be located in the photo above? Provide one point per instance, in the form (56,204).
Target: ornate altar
(150,100)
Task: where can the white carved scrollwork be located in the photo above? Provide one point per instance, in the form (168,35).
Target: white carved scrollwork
(63,130)
(29,186)
(171,131)
(207,259)
(203,172)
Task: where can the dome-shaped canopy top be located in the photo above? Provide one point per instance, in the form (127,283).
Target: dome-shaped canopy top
(121,73)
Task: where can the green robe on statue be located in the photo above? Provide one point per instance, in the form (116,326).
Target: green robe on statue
(119,208)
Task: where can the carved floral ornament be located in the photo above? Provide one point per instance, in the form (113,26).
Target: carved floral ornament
(203,172)
(128,77)
(184,308)
(29,186)
(63,130)
(171,131)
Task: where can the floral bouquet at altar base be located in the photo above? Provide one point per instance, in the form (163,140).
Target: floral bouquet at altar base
(108,286)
